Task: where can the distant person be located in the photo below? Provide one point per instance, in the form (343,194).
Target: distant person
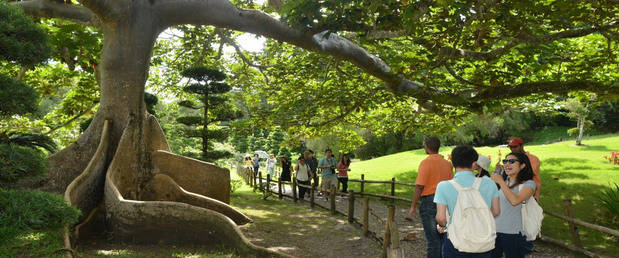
(510,239)
(464,158)
(342,172)
(517,145)
(432,170)
(271,161)
(329,178)
(482,165)
(312,162)
(285,175)
(256,161)
(304,175)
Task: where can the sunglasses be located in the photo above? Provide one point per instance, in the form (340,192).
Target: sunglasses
(510,161)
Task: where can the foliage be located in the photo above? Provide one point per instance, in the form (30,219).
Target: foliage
(30,141)
(16,97)
(210,87)
(19,162)
(150,100)
(21,40)
(235,184)
(26,210)
(610,199)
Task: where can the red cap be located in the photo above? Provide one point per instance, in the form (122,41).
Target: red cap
(515,141)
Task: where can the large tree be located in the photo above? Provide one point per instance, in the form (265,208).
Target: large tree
(123,157)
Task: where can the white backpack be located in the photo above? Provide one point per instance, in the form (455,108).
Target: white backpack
(532,216)
(472,228)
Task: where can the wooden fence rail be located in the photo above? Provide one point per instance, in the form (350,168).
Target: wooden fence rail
(391,248)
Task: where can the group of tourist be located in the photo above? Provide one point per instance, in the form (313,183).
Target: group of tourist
(437,191)
(333,172)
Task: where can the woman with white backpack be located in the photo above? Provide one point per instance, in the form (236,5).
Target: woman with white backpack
(517,188)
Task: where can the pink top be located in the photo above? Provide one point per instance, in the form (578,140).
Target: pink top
(342,170)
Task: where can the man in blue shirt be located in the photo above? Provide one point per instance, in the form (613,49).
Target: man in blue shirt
(464,159)
(329,178)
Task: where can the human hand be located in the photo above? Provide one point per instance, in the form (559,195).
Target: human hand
(440,229)
(412,212)
(496,178)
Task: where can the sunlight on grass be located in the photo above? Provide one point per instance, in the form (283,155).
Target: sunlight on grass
(115,252)
(31,236)
(577,173)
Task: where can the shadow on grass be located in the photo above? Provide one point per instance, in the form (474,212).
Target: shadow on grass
(597,148)
(559,161)
(552,174)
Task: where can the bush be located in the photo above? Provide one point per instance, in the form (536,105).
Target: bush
(19,162)
(610,200)
(22,211)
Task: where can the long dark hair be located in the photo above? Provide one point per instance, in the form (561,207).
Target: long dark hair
(345,160)
(483,173)
(526,173)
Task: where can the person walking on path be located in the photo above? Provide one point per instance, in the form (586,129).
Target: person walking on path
(256,161)
(312,162)
(517,145)
(304,175)
(342,172)
(329,178)
(464,159)
(432,170)
(271,165)
(510,239)
(285,175)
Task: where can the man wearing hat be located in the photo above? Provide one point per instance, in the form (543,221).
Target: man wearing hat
(517,145)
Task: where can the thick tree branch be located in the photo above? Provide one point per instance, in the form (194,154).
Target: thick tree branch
(222,13)
(558,87)
(49,9)
(450,52)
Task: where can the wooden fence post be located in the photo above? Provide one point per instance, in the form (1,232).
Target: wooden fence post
(362,184)
(268,188)
(386,238)
(312,196)
(279,187)
(351,206)
(392,188)
(294,189)
(253,174)
(260,181)
(573,228)
(332,200)
(366,214)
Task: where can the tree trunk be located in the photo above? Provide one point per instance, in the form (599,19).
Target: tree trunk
(123,159)
(581,130)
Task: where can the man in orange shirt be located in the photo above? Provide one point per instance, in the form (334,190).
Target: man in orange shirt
(432,171)
(517,145)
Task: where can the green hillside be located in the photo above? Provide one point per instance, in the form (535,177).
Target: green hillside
(579,173)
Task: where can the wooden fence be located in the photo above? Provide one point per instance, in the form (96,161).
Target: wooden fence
(390,240)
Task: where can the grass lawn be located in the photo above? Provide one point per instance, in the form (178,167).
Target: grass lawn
(579,173)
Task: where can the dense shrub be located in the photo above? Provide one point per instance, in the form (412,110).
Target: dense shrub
(18,162)
(22,211)
(610,200)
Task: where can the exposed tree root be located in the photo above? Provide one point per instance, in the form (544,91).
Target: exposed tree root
(163,188)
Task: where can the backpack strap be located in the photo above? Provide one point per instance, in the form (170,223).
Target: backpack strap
(456,185)
(477,183)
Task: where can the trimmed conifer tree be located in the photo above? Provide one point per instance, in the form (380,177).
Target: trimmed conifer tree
(216,109)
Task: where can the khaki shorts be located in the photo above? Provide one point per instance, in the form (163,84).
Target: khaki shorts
(326,183)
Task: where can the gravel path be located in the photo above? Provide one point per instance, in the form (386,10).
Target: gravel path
(413,228)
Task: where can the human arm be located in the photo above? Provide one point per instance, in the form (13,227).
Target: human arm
(495,207)
(514,199)
(416,197)
(441,217)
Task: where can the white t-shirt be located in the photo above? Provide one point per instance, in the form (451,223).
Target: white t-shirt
(303,173)
(271,162)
